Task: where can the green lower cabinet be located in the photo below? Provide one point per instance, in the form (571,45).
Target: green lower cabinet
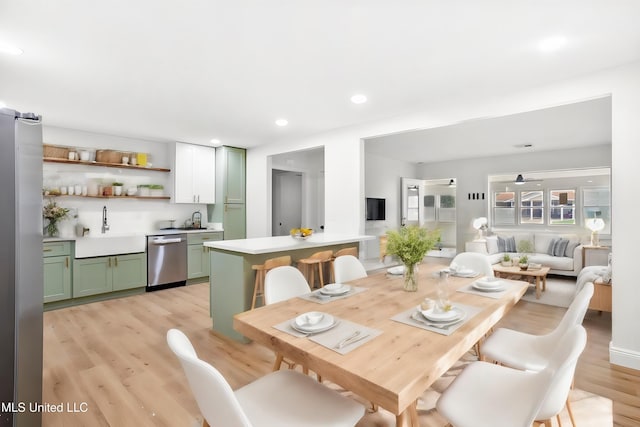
(198,255)
(57,278)
(197,261)
(130,271)
(93,276)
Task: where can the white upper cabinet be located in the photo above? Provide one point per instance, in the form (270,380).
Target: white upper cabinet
(194,174)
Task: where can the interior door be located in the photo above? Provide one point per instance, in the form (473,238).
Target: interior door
(286,202)
(412,209)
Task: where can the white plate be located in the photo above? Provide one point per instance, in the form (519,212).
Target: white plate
(302,324)
(396,271)
(442,316)
(499,286)
(335,289)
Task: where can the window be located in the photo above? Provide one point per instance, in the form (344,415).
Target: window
(504,204)
(563,207)
(596,204)
(531,207)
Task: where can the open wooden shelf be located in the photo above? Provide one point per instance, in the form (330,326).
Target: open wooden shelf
(108,165)
(111,197)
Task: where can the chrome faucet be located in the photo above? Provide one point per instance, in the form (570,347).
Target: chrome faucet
(105,225)
(196,219)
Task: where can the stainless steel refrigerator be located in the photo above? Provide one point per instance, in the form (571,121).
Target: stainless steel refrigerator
(21,276)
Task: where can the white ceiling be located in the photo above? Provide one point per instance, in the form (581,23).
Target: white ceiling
(197,69)
(582,124)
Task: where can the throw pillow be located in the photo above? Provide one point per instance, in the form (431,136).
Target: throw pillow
(492,245)
(501,244)
(606,277)
(552,245)
(560,247)
(571,247)
(509,244)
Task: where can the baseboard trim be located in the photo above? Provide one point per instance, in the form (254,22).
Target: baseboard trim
(624,357)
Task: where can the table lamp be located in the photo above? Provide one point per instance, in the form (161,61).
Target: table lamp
(595,225)
(480,224)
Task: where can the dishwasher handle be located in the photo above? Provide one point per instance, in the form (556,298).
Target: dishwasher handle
(163,241)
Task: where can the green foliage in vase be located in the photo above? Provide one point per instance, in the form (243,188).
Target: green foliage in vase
(524,259)
(411,243)
(506,258)
(525,247)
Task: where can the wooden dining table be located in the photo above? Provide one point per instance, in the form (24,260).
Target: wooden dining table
(393,369)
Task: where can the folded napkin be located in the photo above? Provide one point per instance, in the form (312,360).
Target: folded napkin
(331,337)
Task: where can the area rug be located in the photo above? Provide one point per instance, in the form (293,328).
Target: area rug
(560,292)
(589,410)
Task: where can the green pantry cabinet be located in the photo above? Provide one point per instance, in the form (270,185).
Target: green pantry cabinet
(57,270)
(92,276)
(229,208)
(198,255)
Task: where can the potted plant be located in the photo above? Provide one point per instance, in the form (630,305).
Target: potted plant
(411,244)
(506,260)
(524,262)
(117,188)
(156,190)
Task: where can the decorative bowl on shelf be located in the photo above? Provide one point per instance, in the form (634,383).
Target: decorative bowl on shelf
(301,233)
(524,267)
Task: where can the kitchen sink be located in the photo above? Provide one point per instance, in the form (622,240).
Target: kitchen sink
(109,244)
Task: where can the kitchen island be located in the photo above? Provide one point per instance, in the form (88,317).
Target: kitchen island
(232,279)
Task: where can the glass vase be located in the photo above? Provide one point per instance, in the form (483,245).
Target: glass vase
(410,276)
(51,229)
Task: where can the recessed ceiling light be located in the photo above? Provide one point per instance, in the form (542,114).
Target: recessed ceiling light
(215,142)
(358,99)
(282,122)
(10,50)
(552,44)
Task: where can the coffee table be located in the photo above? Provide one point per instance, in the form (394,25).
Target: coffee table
(539,274)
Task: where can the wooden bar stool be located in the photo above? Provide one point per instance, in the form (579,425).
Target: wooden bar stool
(261,271)
(352,250)
(318,259)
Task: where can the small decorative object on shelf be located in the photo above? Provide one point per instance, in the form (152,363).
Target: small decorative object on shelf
(301,233)
(53,213)
(524,262)
(411,244)
(117,188)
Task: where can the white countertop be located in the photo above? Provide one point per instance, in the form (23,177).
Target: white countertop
(262,245)
(149,233)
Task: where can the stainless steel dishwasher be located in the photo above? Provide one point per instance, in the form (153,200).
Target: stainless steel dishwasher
(166,261)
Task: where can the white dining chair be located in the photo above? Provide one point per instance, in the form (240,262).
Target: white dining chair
(282,283)
(489,395)
(475,261)
(347,268)
(282,398)
(531,352)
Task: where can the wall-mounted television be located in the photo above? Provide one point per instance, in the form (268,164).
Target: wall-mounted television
(375,209)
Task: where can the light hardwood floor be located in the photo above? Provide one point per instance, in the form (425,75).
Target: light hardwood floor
(113,356)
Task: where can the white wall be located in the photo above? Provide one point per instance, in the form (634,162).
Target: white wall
(345,175)
(124,215)
(382,180)
(472,177)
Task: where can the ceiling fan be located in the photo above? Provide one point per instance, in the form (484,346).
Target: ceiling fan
(522,180)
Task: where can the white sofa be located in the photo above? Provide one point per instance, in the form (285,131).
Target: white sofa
(567,263)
